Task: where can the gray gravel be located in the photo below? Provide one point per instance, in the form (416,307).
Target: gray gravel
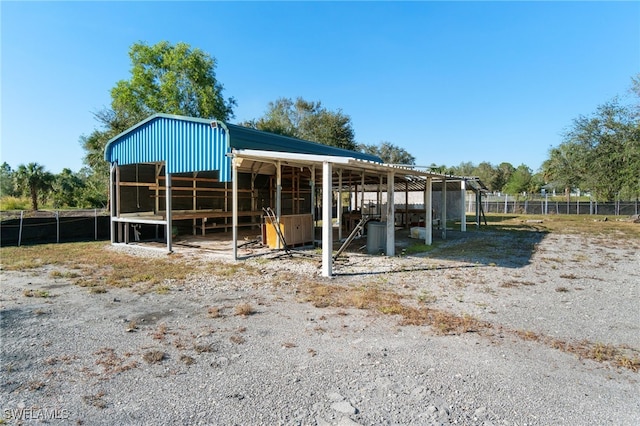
(83,357)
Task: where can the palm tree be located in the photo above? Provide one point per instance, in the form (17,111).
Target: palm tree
(33,178)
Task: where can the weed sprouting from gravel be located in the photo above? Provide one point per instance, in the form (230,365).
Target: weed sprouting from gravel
(111,363)
(35,385)
(238,340)
(36,293)
(244,309)
(154,357)
(161,332)
(187,359)
(213,312)
(569,276)
(621,356)
(201,348)
(95,400)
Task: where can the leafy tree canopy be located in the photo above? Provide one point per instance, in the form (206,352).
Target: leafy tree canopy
(389,153)
(306,120)
(165,78)
(600,153)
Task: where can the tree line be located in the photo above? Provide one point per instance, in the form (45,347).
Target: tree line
(599,153)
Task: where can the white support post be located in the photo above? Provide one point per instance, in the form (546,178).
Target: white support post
(117,204)
(327,228)
(112,204)
(443,210)
(428,207)
(339,206)
(379,198)
(168,213)
(391,216)
(463,205)
(278,199)
(313,196)
(362,196)
(234,204)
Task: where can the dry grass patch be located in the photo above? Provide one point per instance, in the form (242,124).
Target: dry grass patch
(161,332)
(98,265)
(238,340)
(213,312)
(202,348)
(187,359)
(569,276)
(111,363)
(95,400)
(244,309)
(154,357)
(389,303)
(36,293)
(621,356)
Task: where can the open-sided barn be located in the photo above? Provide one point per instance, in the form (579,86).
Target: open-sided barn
(208,175)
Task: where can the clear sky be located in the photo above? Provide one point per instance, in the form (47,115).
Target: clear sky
(447,81)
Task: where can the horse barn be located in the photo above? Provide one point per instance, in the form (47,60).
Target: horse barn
(180,174)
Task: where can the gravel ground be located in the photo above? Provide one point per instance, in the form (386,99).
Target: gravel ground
(127,359)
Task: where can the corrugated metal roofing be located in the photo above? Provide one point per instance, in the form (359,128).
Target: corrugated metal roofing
(247,138)
(188,144)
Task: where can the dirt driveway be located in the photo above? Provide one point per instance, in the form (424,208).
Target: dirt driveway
(537,328)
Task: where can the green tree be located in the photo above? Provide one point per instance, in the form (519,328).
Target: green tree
(174,79)
(503,174)
(166,78)
(488,174)
(565,167)
(67,188)
(34,180)
(520,181)
(306,120)
(463,169)
(390,153)
(606,151)
(7,187)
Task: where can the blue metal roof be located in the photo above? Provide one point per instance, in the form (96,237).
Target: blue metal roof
(188,144)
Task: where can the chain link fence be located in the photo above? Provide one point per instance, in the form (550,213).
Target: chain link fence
(506,204)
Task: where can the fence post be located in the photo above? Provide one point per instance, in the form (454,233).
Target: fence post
(506,197)
(546,203)
(20,230)
(57,226)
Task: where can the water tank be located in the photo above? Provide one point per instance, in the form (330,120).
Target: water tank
(376,237)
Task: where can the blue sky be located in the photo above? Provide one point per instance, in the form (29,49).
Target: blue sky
(447,81)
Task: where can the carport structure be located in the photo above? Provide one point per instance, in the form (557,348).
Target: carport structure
(169,170)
